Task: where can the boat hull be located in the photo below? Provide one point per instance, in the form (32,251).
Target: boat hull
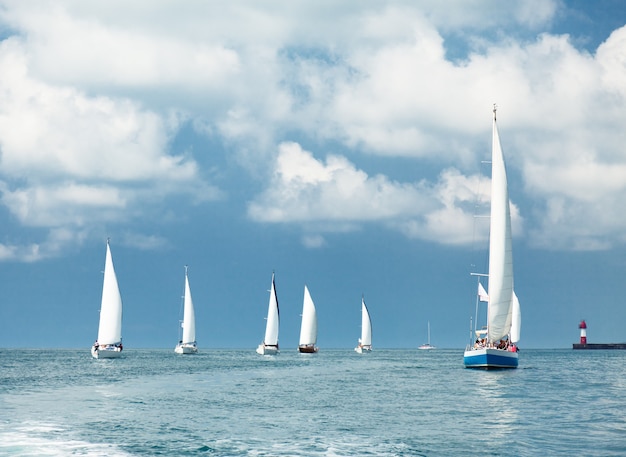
(264,349)
(363,349)
(490,358)
(186,348)
(307,349)
(107,352)
(426,347)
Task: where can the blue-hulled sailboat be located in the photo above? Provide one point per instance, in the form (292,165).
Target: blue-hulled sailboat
(496,345)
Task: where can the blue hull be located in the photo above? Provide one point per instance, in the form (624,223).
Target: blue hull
(490,358)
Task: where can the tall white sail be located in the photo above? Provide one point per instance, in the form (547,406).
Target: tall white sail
(308,329)
(273,318)
(366,325)
(500,248)
(110,328)
(189,317)
(516,320)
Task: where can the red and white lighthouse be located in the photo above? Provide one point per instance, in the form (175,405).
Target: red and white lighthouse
(583,332)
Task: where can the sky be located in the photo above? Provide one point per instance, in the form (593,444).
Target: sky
(341,145)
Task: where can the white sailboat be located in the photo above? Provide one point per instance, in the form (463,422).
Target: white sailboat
(365,342)
(109,342)
(269,346)
(187,345)
(308,329)
(496,345)
(427,345)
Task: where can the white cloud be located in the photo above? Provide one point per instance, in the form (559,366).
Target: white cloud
(305,189)
(313,241)
(68,204)
(316,194)
(56,242)
(90,100)
(73,161)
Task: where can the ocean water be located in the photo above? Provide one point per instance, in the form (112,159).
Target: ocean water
(334,403)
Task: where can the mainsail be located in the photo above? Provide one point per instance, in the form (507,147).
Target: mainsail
(308,329)
(110,327)
(500,248)
(273,318)
(189,318)
(366,325)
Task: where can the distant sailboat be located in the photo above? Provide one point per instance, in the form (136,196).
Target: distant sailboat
(495,345)
(187,345)
(365,342)
(427,345)
(109,342)
(269,346)
(308,329)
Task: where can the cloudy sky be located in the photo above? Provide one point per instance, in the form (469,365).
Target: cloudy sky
(341,145)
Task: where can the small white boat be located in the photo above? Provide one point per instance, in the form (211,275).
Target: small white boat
(496,345)
(308,329)
(109,342)
(427,345)
(269,346)
(365,342)
(187,344)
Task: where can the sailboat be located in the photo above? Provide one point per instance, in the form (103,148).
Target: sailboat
(109,342)
(308,329)
(269,346)
(496,345)
(365,342)
(427,345)
(187,345)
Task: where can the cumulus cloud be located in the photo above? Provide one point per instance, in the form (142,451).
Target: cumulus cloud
(312,192)
(70,161)
(91,99)
(306,189)
(562,116)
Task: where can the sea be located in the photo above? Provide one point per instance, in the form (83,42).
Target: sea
(233,402)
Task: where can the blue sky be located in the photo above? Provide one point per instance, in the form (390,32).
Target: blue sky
(339,145)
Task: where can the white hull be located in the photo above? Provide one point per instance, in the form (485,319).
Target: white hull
(187,348)
(267,350)
(363,349)
(112,352)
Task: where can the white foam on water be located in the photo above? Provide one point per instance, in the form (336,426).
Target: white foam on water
(31,439)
